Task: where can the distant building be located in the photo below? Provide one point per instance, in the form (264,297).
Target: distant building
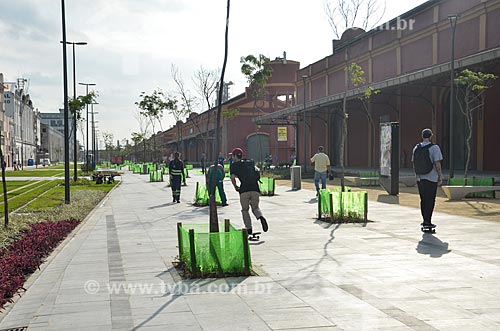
(56,122)
(52,144)
(25,124)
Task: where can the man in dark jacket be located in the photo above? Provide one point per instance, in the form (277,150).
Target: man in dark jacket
(177,176)
(248,189)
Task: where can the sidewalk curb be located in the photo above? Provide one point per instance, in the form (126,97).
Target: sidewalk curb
(34,276)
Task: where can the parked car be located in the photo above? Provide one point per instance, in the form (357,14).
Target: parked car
(45,162)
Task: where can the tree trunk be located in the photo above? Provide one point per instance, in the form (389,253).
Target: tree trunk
(5,198)
(214,222)
(342,142)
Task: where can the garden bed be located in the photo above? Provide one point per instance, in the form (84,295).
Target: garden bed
(27,253)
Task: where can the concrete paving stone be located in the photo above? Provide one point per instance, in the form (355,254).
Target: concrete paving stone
(203,303)
(294,317)
(368,324)
(228,322)
(156,318)
(80,319)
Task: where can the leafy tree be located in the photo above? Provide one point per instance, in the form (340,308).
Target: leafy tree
(257,71)
(357,78)
(75,107)
(470,96)
(152,107)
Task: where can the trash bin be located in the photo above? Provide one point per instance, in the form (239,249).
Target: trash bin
(296,177)
(31,162)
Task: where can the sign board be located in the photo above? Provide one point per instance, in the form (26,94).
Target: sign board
(282,133)
(389,157)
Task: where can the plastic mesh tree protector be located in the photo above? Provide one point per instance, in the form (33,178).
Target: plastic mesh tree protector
(218,252)
(266,186)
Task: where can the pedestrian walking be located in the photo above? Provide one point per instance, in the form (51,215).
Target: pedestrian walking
(203,160)
(248,189)
(218,175)
(426,160)
(220,159)
(177,175)
(321,163)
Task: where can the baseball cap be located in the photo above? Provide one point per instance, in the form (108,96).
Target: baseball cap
(238,152)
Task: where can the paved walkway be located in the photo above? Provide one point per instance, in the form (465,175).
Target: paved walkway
(313,276)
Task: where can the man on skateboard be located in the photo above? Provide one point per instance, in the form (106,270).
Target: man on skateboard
(249,177)
(426,160)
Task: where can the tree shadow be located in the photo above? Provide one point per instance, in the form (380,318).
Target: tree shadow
(432,246)
(196,285)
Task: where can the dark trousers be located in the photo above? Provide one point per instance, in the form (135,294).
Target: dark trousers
(176,186)
(427,191)
(222,194)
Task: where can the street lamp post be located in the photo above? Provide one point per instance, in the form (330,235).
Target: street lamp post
(87,134)
(453,21)
(75,145)
(65,87)
(304,77)
(93,134)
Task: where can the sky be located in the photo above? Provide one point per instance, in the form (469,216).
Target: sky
(132,45)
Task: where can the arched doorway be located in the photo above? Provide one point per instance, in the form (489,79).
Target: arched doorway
(258,146)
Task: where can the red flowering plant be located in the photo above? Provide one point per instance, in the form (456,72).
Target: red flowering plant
(26,254)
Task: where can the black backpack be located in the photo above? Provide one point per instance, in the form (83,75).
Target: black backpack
(251,174)
(422,160)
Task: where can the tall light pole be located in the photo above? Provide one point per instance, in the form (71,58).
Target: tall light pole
(93,134)
(304,77)
(75,145)
(87,135)
(453,21)
(66,128)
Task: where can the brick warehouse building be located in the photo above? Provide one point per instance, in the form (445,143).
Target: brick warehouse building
(197,133)
(411,68)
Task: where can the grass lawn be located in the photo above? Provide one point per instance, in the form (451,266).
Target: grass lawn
(45,203)
(12,185)
(35,173)
(55,196)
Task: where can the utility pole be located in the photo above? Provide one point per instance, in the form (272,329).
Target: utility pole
(66,124)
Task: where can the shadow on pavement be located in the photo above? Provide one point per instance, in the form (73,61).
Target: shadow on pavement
(432,245)
(386,198)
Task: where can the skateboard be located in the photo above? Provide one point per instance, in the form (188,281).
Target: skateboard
(254,236)
(427,229)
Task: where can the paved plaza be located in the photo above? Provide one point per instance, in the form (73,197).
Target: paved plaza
(115,272)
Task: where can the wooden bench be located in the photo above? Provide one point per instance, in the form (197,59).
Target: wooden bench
(459,192)
(361,181)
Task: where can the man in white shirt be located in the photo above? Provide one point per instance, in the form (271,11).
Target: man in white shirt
(321,163)
(428,181)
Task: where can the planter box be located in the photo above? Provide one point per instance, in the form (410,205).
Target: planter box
(221,253)
(474,181)
(343,206)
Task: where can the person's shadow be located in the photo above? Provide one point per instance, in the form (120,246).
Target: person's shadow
(432,246)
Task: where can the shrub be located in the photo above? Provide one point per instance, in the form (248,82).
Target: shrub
(26,254)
